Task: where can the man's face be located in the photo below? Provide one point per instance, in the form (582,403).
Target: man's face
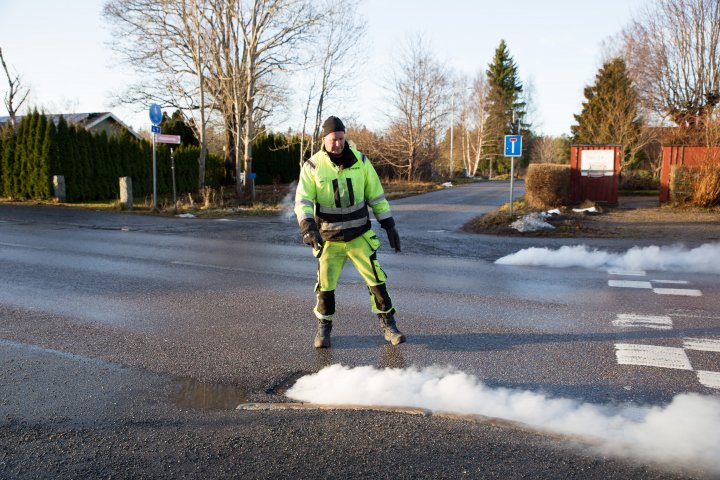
(334,142)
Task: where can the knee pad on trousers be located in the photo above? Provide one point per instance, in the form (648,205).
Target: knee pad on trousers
(326,302)
(381,297)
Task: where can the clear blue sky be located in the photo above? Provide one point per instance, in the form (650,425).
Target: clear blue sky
(60,49)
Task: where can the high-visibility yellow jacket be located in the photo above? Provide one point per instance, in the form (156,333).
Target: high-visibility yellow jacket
(335,200)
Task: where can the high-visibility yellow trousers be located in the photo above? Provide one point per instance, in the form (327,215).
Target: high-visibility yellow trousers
(362,252)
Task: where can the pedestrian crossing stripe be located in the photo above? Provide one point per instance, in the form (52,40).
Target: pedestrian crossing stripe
(629,273)
(629,284)
(652,356)
(657,322)
(688,292)
(702,344)
(709,379)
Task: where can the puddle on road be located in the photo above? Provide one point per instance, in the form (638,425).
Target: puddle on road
(211,396)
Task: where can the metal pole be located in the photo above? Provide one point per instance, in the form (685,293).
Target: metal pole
(452,124)
(154,176)
(172,167)
(512,175)
(512,171)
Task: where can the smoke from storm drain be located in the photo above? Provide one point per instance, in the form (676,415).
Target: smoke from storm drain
(685,432)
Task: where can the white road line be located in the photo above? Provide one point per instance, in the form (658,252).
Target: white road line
(687,292)
(630,273)
(703,344)
(17,245)
(652,356)
(661,322)
(629,284)
(205,265)
(709,379)
(679,282)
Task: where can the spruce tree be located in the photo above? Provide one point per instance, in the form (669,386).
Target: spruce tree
(610,113)
(505,98)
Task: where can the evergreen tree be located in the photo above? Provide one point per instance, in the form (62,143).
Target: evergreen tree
(29,154)
(70,160)
(505,99)
(42,179)
(60,153)
(7,159)
(176,125)
(610,113)
(2,149)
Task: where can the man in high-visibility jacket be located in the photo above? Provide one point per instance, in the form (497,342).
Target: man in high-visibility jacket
(336,187)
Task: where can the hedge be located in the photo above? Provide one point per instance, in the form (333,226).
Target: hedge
(92,163)
(547,185)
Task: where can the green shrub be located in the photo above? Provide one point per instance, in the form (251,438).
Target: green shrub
(638,180)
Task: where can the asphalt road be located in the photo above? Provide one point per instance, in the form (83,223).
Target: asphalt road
(126,341)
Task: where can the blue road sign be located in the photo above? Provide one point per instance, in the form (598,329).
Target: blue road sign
(155,114)
(155,129)
(513,145)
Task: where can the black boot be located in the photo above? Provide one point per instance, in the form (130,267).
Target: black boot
(389,329)
(322,337)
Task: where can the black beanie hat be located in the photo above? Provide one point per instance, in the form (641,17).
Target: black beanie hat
(332,124)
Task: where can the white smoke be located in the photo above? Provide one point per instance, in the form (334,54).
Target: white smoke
(702,259)
(685,432)
(288,204)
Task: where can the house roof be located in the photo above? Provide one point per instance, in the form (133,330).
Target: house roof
(85,120)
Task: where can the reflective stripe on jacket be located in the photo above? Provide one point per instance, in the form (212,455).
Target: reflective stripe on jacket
(336,199)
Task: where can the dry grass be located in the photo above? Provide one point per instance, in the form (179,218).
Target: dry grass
(399,188)
(635,217)
(498,222)
(706,186)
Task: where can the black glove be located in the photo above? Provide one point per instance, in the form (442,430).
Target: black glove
(393,238)
(313,239)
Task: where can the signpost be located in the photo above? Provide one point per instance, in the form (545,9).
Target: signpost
(513,148)
(155,118)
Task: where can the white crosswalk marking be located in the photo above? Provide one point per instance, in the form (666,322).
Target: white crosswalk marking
(629,284)
(630,273)
(709,379)
(678,282)
(688,292)
(652,356)
(703,344)
(658,322)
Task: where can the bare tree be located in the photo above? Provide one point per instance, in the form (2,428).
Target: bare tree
(477,132)
(167,44)
(338,38)
(236,50)
(549,149)
(672,51)
(419,100)
(17,94)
